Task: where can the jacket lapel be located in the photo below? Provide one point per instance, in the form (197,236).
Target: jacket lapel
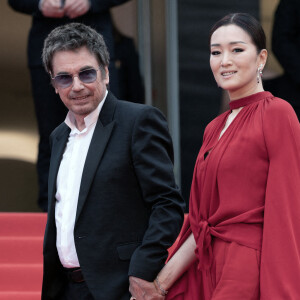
(102,133)
(58,146)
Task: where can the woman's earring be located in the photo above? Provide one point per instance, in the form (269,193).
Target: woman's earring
(259,73)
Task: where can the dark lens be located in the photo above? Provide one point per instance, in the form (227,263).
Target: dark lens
(63,80)
(88,76)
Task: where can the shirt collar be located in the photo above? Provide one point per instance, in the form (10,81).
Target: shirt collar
(88,120)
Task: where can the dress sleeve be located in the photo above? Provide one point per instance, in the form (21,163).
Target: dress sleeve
(280,258)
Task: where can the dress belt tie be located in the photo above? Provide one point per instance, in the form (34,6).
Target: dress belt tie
(203,249)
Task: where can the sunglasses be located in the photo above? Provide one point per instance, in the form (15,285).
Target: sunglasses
(66,80)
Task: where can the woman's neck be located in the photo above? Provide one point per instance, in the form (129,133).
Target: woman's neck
(238,94)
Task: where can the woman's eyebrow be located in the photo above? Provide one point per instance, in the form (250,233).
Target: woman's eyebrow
(231,43)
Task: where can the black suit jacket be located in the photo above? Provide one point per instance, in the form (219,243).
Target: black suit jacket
(129,208)
(98,17)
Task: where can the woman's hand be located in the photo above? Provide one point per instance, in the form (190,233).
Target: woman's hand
(143,290)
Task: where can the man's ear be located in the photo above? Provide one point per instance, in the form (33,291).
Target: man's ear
(106,79)
(56,90)
(52,82)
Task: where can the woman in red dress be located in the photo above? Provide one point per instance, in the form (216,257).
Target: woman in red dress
(241,240)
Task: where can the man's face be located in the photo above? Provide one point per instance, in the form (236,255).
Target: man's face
(80,98)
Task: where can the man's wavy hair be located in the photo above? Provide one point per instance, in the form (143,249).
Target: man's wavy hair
(73,36)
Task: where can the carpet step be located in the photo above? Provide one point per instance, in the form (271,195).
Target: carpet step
(21,250)
(20,295)
(22,224)
(21,277)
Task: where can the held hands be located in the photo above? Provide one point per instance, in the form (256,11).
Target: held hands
(71,8)
(144,290)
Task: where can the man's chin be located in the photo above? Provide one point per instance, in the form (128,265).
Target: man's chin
(81,111)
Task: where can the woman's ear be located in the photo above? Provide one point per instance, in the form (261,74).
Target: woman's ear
(263,55)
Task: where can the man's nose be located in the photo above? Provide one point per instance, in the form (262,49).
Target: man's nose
(77,84)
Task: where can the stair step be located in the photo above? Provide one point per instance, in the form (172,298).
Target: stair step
(22,224)
(21,250)
(20,295)
(21,277)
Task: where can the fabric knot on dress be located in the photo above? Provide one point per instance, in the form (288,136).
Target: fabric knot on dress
(203,249)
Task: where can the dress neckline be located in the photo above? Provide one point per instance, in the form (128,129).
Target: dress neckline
(249,99)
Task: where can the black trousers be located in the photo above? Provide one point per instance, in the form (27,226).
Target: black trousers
(76,291)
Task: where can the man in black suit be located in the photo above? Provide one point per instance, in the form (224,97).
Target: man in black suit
(114,207)
(50,112)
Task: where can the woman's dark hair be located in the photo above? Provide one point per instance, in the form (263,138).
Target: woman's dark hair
(248,24)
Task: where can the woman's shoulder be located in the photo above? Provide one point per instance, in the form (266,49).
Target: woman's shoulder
(279,118)
(276,102)
(277,108)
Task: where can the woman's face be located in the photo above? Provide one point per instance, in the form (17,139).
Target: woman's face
(234,61)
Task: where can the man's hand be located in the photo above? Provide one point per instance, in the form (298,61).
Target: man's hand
(76,8)
(143,290)
(52,9)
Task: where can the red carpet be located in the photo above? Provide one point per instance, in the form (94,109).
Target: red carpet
(21,255)
(21,244)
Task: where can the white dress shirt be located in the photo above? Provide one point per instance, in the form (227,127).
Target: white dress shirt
(68,185)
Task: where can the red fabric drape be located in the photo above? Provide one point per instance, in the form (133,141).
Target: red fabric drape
(247,190)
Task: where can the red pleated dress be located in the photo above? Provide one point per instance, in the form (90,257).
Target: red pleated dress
(245,207)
